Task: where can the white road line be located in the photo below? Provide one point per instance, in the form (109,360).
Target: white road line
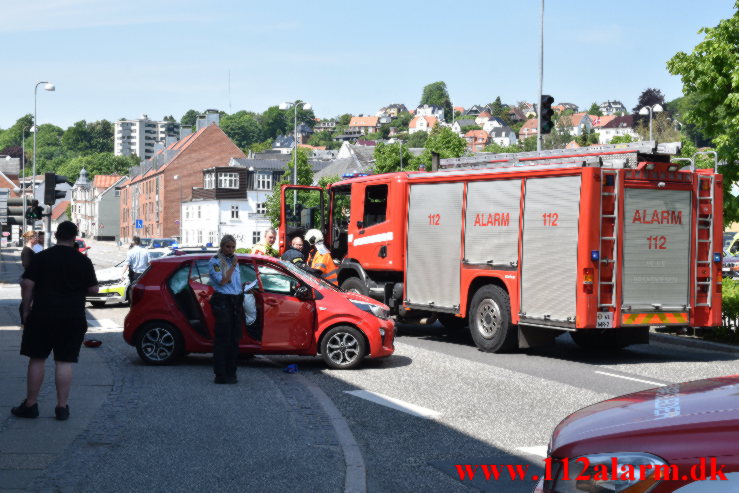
(396,404)
(102,324)
(537,450)
(631,378)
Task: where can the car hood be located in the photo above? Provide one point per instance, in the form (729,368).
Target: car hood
(366,299)
(664,421)
(110,274)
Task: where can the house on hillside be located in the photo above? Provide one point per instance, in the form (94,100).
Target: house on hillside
(462,123)
(422,124)
(493,122)
(530,128)
(393,110)
(619,126)
(503,136)
(612,108)
(430,110)
(364,124)
(151,196)
(576,124)
(477,140)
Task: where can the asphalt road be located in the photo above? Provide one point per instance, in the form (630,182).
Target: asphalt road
(436,403)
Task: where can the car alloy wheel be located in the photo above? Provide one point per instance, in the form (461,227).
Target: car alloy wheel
(159,344)
(343,347)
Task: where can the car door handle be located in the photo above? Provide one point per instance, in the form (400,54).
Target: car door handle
(271,302)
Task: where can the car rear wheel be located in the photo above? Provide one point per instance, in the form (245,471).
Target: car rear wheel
(490,320)
(159,343)
(354,285)
(97,304)
(343,348)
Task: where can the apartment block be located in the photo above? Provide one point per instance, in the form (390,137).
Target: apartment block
(143,137)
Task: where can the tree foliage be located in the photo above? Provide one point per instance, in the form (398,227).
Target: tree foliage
(103,163)
(387,157)
(649,97)
(436,94)
(85,138)
(443,141)
(417,139)
(273,122)
(242,128)
(189,118)
(305,177)
(14,135)
(595,110)
(710,75)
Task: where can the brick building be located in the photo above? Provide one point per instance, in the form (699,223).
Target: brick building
(151,197)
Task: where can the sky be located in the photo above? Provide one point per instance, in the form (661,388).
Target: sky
(114,59)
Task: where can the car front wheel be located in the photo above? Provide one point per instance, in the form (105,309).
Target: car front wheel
(343,348)
(159,343)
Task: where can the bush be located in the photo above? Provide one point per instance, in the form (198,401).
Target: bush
(730,314)
(242,250)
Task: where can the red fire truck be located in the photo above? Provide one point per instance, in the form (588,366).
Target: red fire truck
(601,242)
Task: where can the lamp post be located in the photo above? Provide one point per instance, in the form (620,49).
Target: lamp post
(48,87)
(177,178)
(649,110)
(284,106)
(23,174)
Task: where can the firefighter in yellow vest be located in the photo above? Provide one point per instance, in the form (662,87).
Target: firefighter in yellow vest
(320,257)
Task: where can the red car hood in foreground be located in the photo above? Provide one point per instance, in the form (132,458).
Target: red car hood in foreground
(685,420)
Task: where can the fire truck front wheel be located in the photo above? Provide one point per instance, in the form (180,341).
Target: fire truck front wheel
(490,320)
(355,285)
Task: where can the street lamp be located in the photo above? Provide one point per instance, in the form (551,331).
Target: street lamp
(47,87)
(177,178)
(648,110)
(23,174)
(284,106)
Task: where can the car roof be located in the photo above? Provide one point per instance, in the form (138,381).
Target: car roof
(207,255)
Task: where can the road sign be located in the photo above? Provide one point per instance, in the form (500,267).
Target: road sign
(139,223)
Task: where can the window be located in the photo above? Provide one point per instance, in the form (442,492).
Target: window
(228,180)
(255,237)
(210,181)
(264,181)
(200,237)
(234,211)
(187,213)
(275,281)
(198,212)
(199,272)
(262,208)
(212,238)
(375,205)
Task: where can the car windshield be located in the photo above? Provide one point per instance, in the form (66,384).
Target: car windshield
(153,255)
(307,277)
(727,239)
(162,243)
(145,242)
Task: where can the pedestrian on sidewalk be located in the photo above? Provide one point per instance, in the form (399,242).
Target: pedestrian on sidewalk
(137,260)
(53,291)
(227,307)
(31,239)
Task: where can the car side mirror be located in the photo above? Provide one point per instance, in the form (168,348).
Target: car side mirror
(304,293)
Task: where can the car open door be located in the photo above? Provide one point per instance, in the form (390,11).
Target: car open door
(198,282)
(288,321)
(301,208)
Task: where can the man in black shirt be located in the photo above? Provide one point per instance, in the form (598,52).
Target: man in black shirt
(53,290)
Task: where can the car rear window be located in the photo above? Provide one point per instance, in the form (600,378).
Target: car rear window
(178,282)
(199,272)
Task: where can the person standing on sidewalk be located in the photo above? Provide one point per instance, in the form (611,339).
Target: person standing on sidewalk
(53,291)
(26,255)
(137,260)
(227,307)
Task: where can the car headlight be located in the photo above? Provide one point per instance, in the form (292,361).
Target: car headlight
(627,472)
(375,310)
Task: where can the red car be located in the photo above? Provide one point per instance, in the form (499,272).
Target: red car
(689,432)
(298,313)
(81,246)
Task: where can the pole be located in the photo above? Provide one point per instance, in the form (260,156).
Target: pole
(541,80)
(401,154)
(23,174)
(295,157)
(650,122)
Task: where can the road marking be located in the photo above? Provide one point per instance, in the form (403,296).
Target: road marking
(396,404)
(631,378)
(103,324)
(538,450)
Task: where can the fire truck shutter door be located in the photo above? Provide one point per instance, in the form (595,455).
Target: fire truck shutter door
(549,258)
(491,223)
(434,244)
(656,269)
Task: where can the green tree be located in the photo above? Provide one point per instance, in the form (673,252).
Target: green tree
(663,128)
(242,128)
(323,138)
(387,157)
(595,110)
(273,122)
(305,177)
(101,136)
(77,138)
(306,117)
(436,94)
(14,135)
(679,108)
(709,75)
(622,139)
(189,118)
(261,146)
(442,141)
(344,119)
(417,139)
(103,163)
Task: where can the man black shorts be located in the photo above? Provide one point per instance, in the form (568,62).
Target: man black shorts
(53,288)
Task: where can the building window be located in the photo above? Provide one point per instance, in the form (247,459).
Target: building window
(264,181)
(187,213)
(234,211)
(262,208)
(200,237)
(255,237)
(228,180)
(212,238)
(210,181)
(198,212)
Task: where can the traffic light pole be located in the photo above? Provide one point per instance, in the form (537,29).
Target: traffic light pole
(541,80)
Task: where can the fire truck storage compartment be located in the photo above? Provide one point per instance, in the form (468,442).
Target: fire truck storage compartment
(549,257)
(656,243)
(434,245)
(491,223)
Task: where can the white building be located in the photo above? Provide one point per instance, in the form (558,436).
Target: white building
(619,126)
(141,136)
(95,206)
(422,124)
(430,110)
(503,136)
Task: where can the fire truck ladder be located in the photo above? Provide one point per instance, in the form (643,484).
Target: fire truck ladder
(609,217)
(704,243)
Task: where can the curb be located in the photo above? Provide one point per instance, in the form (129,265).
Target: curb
(692,343)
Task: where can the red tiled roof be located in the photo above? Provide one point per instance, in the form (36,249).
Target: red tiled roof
(599,121)
(364,121)
(459,108)
(104,181)
(59,209)
(478,134)
(317,148)
(575,118)
(430,120)
(531,123)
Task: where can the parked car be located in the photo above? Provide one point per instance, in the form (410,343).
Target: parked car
(158,242)
(113,281)
(675,428)
(81,245)
(730,266)
(298,313)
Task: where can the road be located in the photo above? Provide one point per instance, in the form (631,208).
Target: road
(395,425)
(452,404)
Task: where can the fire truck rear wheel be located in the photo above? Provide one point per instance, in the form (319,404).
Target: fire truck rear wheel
(490,320)
(355,285)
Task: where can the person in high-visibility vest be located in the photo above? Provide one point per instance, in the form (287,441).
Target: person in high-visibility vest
(320,257)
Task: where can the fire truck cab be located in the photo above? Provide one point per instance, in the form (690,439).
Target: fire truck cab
(601,242)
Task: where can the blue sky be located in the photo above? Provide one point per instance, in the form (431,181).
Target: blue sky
(122,59)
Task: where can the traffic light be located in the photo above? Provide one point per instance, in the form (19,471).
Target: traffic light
(546,112)
(50,192)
